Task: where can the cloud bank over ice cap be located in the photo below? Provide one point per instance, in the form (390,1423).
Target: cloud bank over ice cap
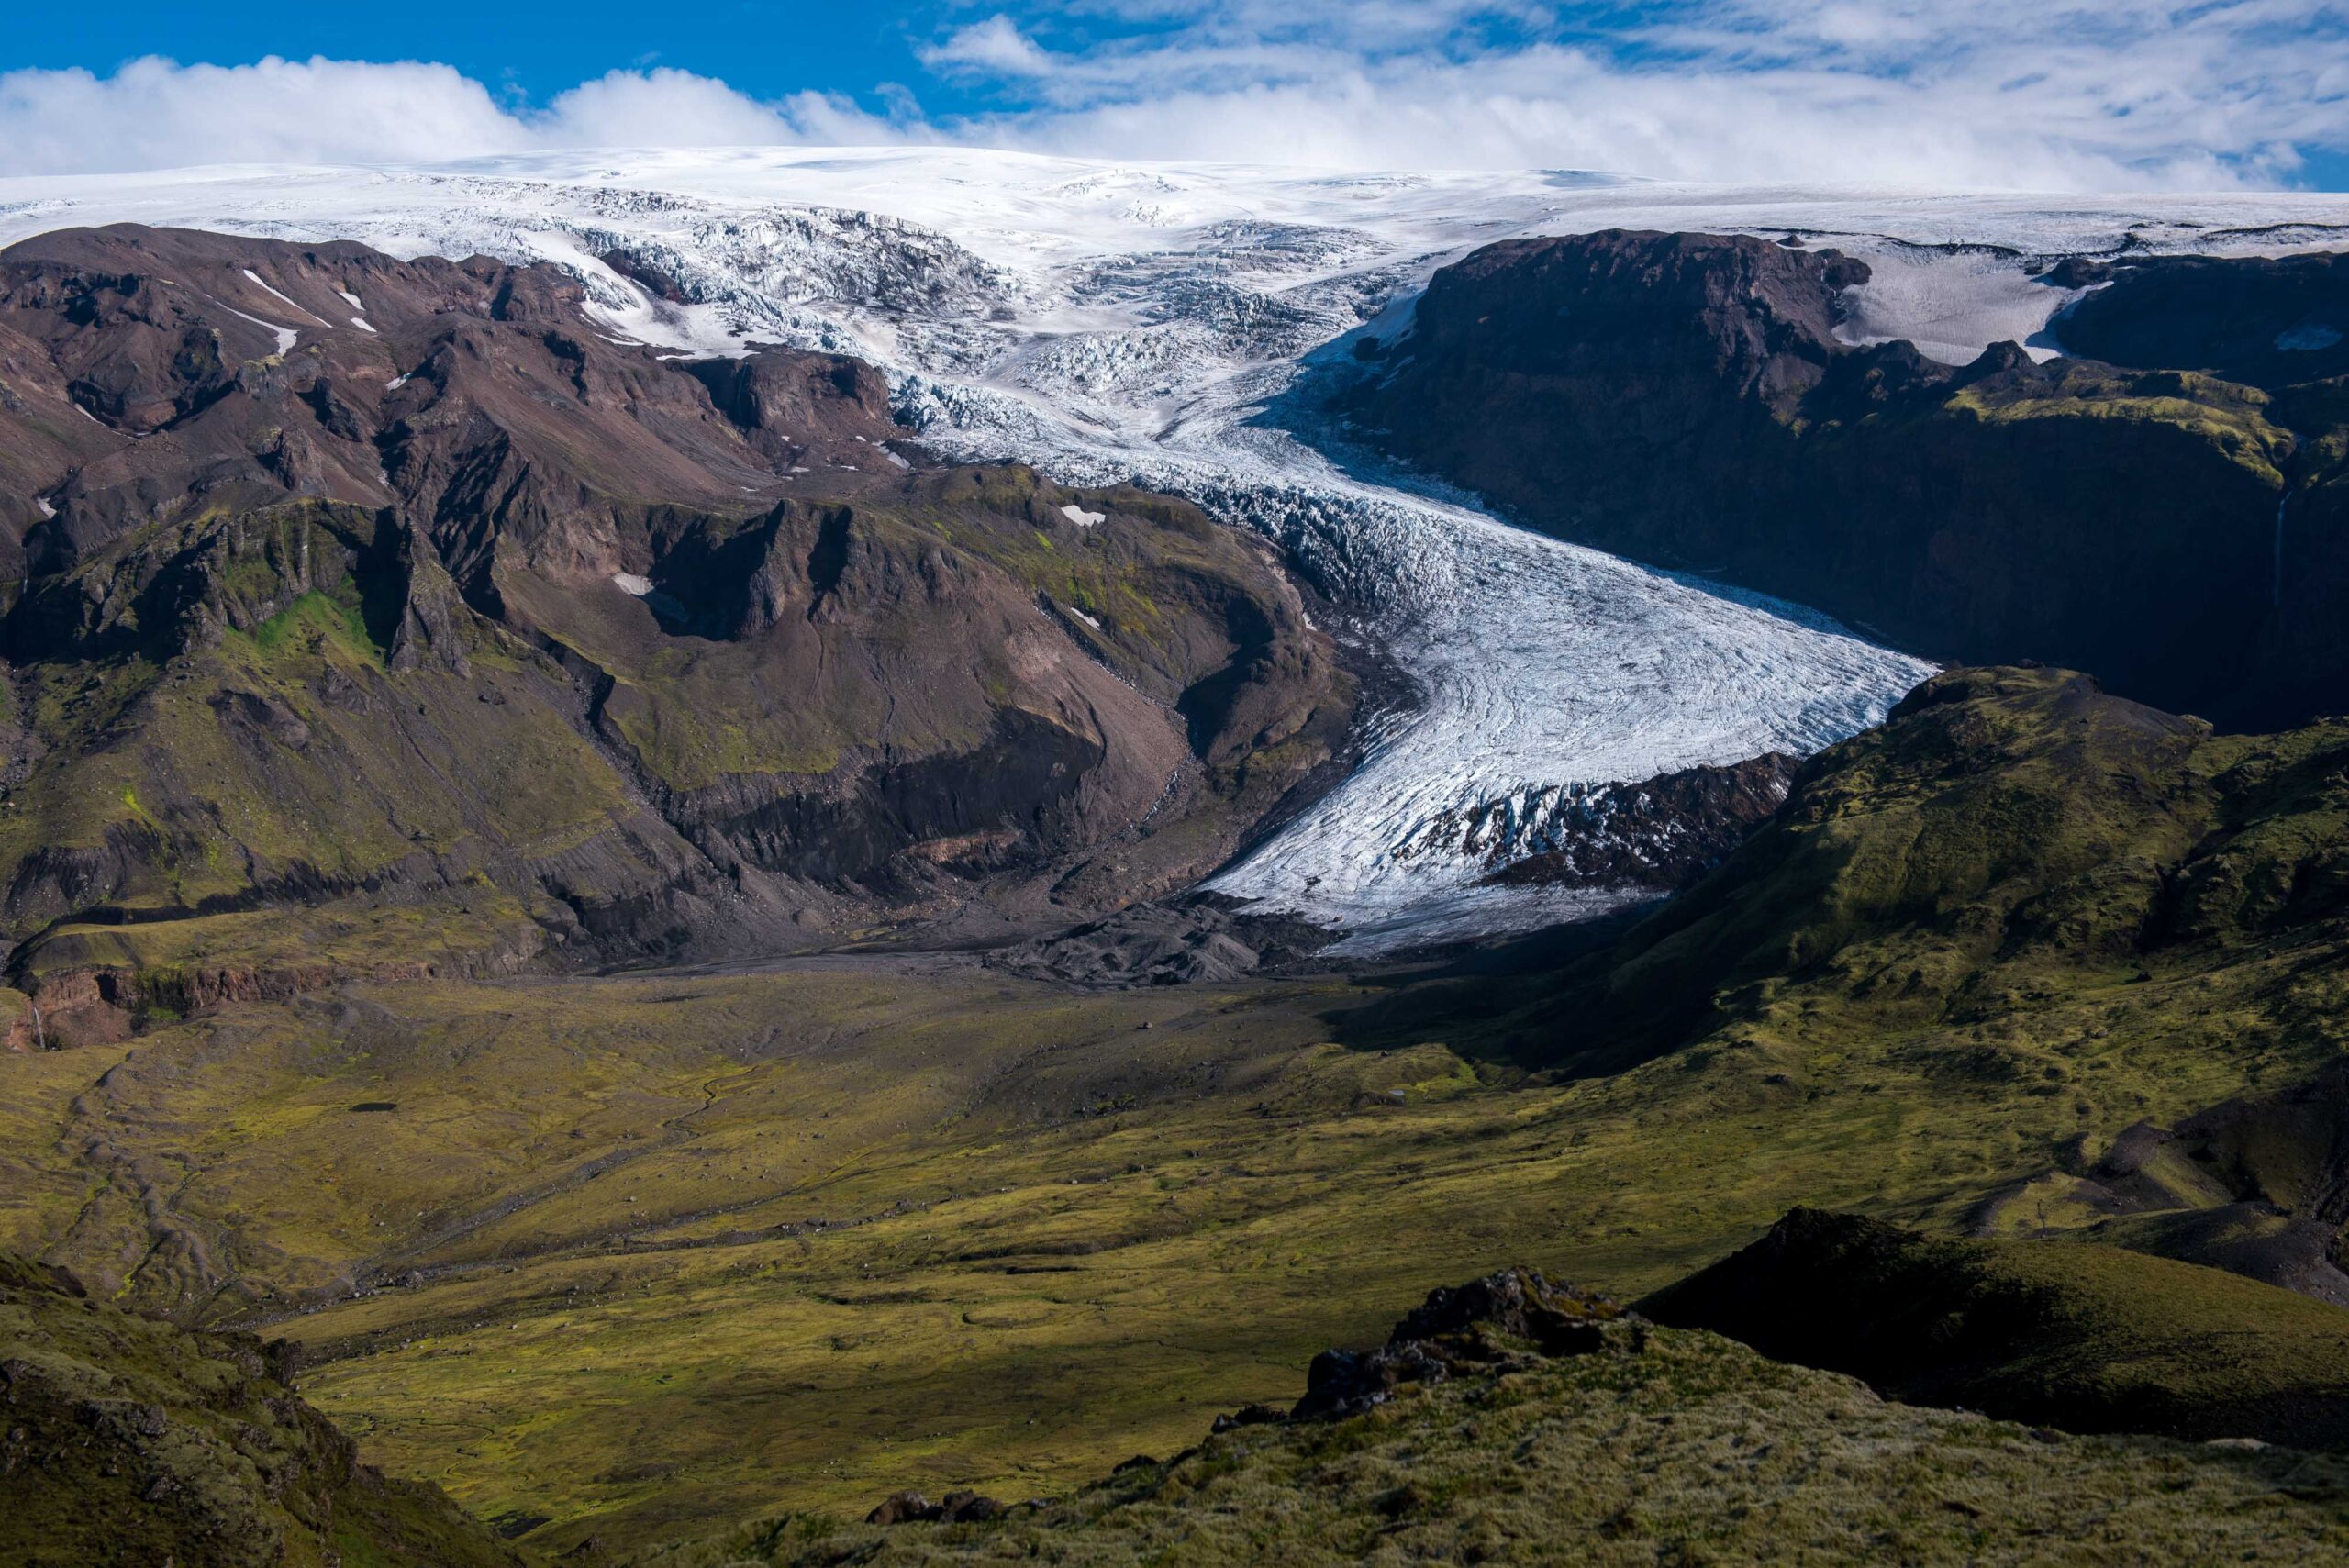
(156,114)
(2016,93)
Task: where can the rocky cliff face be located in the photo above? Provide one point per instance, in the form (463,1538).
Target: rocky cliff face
(398,593)
(1684,399)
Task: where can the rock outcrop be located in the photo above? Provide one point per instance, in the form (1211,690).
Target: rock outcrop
(1198,937)
(1660,833)
(1489,1325)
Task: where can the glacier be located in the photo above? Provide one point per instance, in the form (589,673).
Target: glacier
(1163,323)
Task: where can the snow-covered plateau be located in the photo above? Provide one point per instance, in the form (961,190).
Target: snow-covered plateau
(1107,321)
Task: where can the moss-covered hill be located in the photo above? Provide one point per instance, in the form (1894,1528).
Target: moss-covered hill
(2090,1339)
(1633,1444)
(126,1442)
(2013,867)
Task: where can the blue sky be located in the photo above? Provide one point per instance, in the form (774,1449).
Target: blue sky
(766,47)
(2084,94)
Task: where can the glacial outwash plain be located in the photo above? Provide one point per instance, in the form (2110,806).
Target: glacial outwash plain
(919,856)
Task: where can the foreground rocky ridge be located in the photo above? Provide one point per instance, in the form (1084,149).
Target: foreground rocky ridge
(1512,1419)
(382,613)
(2168,510)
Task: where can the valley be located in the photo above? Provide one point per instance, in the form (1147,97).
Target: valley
(737,831)
(621,1257)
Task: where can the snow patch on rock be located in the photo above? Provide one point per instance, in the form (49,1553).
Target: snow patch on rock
(286,335)
(2310,338)
(283,298)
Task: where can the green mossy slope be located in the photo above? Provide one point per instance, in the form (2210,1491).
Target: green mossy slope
(126,1441)
(1998,871)
(1662,1446)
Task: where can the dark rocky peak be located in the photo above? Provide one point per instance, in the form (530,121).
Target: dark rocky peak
(1995,359)
(1494,1324)
(648,275)
(1732,306)
(793,406)
(249,289)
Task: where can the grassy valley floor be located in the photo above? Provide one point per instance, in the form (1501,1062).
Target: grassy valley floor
(631,1257)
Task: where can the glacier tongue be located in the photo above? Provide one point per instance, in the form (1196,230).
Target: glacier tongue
(1109,322)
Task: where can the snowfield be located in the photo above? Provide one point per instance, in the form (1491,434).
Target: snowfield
(1107,322)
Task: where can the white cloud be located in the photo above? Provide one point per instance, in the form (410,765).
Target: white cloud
(995,47)
(1551,107)
(2052,93)
(2049,93)
(155,114)
(661,107)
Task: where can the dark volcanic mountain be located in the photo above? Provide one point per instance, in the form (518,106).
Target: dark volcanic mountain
(2168,513)
(401,594)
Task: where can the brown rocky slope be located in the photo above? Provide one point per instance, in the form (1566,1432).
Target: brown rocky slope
(373,613)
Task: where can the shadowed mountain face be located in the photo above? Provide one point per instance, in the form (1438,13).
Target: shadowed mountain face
(402,594)
(2088,1339)
(2167,513)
